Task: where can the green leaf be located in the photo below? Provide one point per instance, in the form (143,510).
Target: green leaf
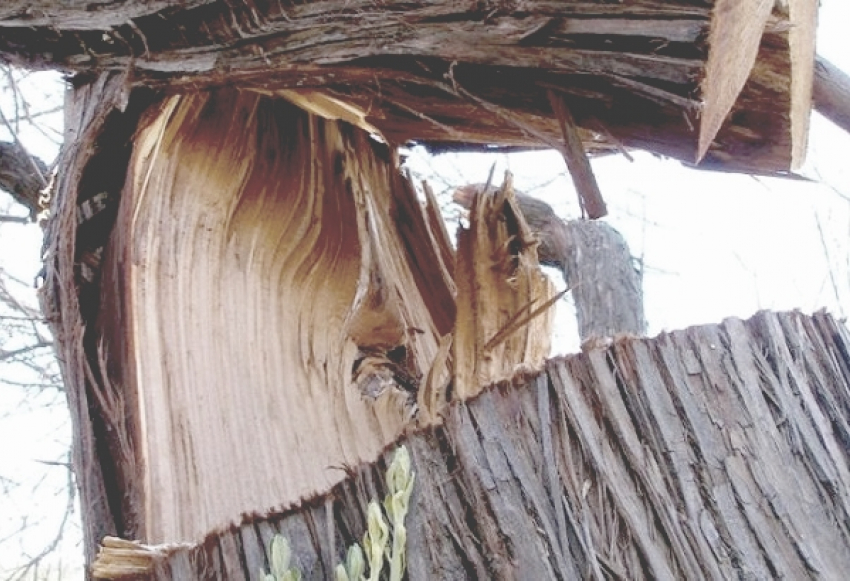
(280,556)
(354,562)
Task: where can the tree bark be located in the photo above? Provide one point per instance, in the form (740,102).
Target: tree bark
(832,93)
(22,176)
(606,286)
(716,452)
(727,82)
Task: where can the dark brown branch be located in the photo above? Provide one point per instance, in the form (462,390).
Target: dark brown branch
(19,175)
(590,198)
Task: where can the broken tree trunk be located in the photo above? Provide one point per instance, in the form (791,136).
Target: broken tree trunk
(248,299)
(716,452)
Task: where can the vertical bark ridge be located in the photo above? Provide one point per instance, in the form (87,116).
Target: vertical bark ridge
(713,452)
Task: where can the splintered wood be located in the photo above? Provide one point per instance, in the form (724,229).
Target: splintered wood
(503,319)
(285,297)
(281,306)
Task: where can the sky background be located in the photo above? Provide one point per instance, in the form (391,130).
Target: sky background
(714,245)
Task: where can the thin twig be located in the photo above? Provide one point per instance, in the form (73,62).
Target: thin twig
(517,321)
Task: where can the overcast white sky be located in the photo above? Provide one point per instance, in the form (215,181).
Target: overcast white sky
(714,245)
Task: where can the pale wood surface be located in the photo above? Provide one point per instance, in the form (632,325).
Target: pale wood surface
(733,39)
(499,329)
(272,302)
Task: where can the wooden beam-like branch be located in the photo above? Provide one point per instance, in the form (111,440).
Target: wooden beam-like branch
(734,38)
(590,198)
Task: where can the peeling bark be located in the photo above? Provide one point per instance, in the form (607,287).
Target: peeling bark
(728,81)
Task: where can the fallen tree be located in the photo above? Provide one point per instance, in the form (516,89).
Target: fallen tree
(250,301)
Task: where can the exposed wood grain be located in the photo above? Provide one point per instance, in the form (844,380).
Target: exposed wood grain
(802,22)
(500,288)
(734,38)
(266,280)
(283,285)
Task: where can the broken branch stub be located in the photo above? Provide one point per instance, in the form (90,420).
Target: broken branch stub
(499,281)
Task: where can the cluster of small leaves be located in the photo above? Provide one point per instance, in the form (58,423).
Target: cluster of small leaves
(377,550)
(400,479)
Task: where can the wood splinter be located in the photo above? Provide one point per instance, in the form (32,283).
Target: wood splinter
(589,196)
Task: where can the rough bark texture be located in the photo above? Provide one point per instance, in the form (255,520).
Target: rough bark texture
(832,93)
(716,452)
(606,286)
(70,305)
(727,79)
(22,175)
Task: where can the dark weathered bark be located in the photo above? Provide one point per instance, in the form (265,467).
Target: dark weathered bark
(713,453)
(663,76)
(23,176)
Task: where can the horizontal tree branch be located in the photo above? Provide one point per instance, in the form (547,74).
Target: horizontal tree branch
(21,175)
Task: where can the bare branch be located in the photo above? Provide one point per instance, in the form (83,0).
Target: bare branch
(22,175)
(7,355)
(15,219)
